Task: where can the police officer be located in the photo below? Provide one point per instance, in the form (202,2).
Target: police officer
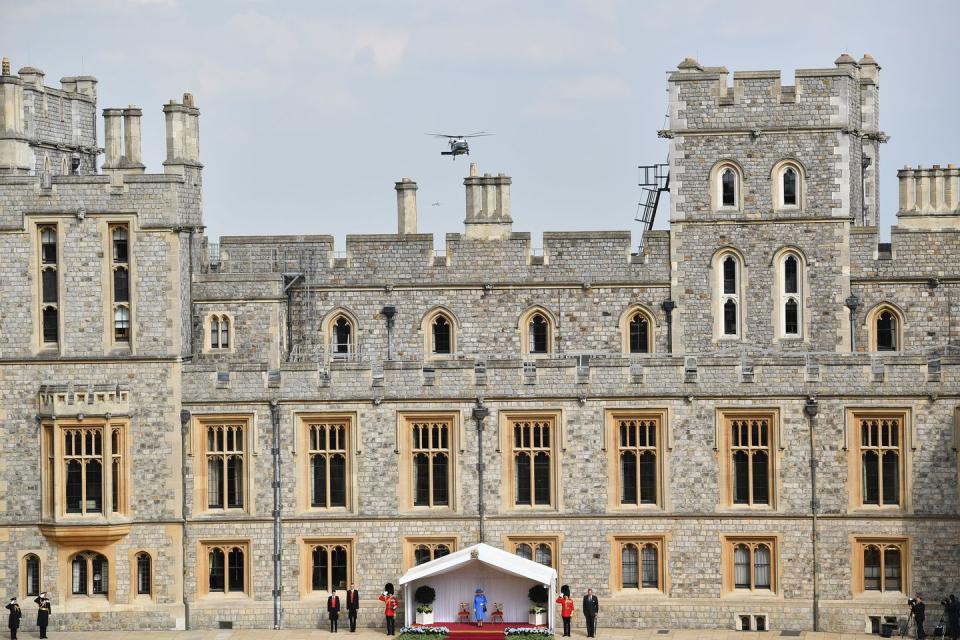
(353,604)
(13,621)
(333,609)
(43,614)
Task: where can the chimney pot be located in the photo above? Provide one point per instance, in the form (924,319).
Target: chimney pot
(473,168)
(406,206)
(6,66)
(188,99)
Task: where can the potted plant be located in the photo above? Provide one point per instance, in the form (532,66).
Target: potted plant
(424,595)
(538,595)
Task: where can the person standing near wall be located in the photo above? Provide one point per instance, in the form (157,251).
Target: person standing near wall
(390,606)
(333,609)
(43,614)
(591,607)
(13,620)
(479,606)
(353,605)
(566,610)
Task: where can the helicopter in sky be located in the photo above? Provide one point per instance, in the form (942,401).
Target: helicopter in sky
(458,142)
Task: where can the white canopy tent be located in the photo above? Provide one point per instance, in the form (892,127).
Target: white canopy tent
(504,577)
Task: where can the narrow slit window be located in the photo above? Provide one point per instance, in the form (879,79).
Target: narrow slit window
(538,338)
(790,187)
(441,336)
(728,187)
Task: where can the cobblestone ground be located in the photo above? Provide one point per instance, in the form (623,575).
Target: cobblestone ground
(372,634)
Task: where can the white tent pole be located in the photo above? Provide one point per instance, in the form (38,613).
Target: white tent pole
(552,611)
(406,604)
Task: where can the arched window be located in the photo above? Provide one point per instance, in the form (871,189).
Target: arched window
(525,551)
(532,459)
(729,296)
(219,332)
(144,576)
(790,187)
(544,555)
(235,569)
(89,574)
(789,286)
(538,339)
(49,288)
(120,244)
(441,335)
(330,567)
(881,443)
(753,566)
(121,324)
(629,575)
(430,448)
(651,567)
(341,337)
(225,458)
(787,178)
(638,331)
(638,450)
(31,567)
(886,331)
(640,564)
(883,567)
(83,461)
(728,187)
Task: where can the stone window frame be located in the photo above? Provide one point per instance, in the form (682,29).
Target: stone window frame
(426,329)
(133,559)
(724,416)
(220,317)
(552,540)
(302,454)
(729,542)
(612,446)
(626,318)
(523,327)
(406,489)
(716,186)
(110,266)
(90,555)
(198,451)
(53,477)
(781,297)
(777,173)
(852,440)
(38,226)
(326,329)
(305,545)
(617,542)
(858,545)
(508,473)
(25,558)
(204,546)
(410,544)
(871,325)
(720,298)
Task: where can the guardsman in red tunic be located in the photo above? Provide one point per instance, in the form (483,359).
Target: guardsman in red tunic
(390,606)
(566,612)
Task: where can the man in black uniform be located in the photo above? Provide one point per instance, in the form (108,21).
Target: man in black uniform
(13,621)
(953,617)
(333,609)
(353,604)
(919,614)
(591,606)
(43,614)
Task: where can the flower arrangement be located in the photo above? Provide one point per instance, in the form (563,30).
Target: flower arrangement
(536,609)
(423,633)
(540,633)
(424,608)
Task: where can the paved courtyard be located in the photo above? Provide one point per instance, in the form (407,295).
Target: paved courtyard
(376,634)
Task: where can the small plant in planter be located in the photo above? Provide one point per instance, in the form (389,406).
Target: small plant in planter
(424,595)
(538,595)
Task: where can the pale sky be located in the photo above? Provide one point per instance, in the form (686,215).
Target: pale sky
(312,110)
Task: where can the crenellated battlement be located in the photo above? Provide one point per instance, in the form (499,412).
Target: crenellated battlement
(702,98)
(929,197)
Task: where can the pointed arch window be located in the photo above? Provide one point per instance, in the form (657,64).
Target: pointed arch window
(886,331)
(752,564)
(220,332)
(640,563)
(728,187)
(330,565)
(31,566)
(790,185)
(225,457)
(542,550)
(226,567)
(431,463)
(729,298)
(89,574)
(342,336)
(538,337)
(882,565)
(328,453)
(441,335)
(639,332)
(787,178)
(49,287)
(791,298)
(881,465)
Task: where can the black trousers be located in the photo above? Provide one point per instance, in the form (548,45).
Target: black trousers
(13,633)
(353,620)
(390,621)
(591,626)
(566,627)
(921,634)
(43,630)
(333,623)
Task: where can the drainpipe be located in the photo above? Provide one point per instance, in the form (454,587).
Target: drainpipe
(275,452)
(668,306)
(184,439)
(480,412)
(190,339)
(852,303)
(811,408)
(389,312)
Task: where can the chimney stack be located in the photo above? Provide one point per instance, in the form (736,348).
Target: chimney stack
(406,206)
(16,156)
(131,139)
(112,138)
(183,135)
(488,206)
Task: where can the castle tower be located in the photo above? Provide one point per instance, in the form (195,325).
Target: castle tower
(16,156)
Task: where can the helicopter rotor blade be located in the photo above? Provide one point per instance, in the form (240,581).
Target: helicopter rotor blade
(478,134)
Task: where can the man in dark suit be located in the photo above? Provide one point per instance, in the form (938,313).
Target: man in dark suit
(919,616)
(591,606)
(333,609)
(353,604)
(43,614)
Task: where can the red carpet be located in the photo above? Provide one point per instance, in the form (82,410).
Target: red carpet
(489,631)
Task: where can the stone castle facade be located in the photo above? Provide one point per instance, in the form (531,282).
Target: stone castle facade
(750,423)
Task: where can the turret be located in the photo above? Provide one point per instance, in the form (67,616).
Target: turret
(929,198)
(16,156)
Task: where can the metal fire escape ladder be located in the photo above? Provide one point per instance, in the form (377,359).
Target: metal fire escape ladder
(654,180)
